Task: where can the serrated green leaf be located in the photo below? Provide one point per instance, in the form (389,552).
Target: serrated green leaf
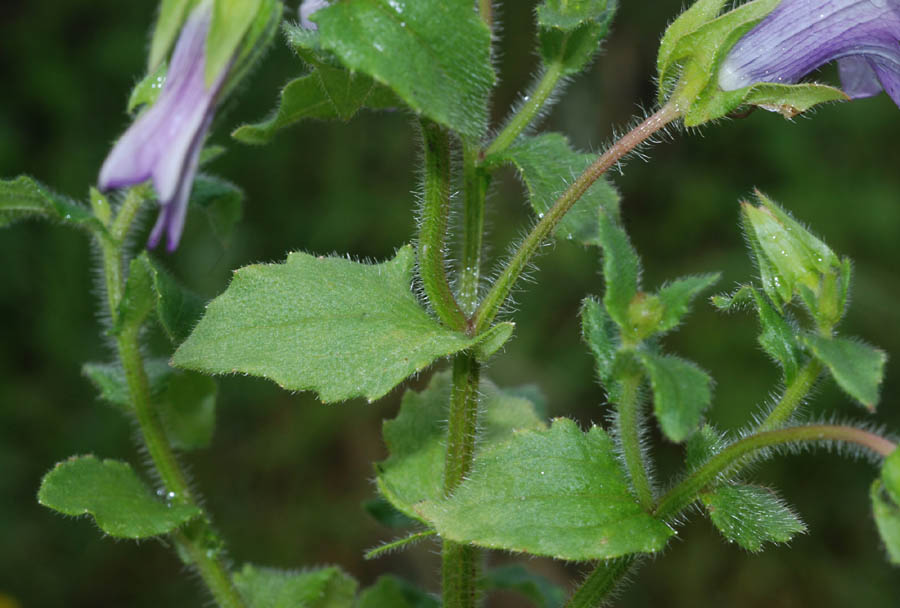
(890,475)
(23,197)
(271,588)
(434,54)
(221,201)
(172,14)
(857,368)
(676,298)
(602,336)
(392,592)
(557,492)
(539,590)
(341,328)
(681,393)
(751,516)
(416,439)
(139,298)
(231,19)
(547,165)
(887,518)
(148,89)
(778,338)
(621,270)
(112,494)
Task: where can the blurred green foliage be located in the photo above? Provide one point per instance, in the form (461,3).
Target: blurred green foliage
(285,476)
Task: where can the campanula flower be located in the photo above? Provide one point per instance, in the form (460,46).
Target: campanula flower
(799,36)
(307,8)
(164,143)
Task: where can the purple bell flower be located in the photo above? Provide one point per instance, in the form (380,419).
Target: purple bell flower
(802,35)
(164,143)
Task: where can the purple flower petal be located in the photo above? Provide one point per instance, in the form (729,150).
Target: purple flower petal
(800,36)
(164,143)
(307,8)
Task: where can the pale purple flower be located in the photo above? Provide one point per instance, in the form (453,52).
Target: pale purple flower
(802,35)
(164,143)
(307,8)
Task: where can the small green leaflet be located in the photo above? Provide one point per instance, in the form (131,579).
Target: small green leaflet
(434,54)
(570,31)
(887,518)
(112,494)
(621,270)
(751,516)
(341,328)
(271,588)
(221,201)
(676,298)
(547,165)
(890,475)
(857,368)
(24,197)
(681,393)
(570,14)
(557,492)
(416,439)
(778,337)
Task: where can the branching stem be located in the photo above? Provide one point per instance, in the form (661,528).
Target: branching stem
(629,434)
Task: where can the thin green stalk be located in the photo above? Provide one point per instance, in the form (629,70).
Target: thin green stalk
(529,110)
(629,414)
(212,570)
(433,226)
(475,184)
(596,588)
(741,452)
(460,563)
(793,396)
(501,289)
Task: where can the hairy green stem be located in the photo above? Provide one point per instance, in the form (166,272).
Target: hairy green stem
(433,226)
(501,289)
(212,570)
(793,396)
(529,110)
(460,562)
(604,579)
(741,452)
(628,419)
(475,185)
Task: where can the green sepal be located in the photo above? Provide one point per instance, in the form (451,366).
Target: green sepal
(681,393)
(539,590)
(434,54)
(231,19)
(693,48)
(270,588)
(221,201)
(556,492)
(254,44)
(676,298)
(416,439)
(601,335)
(778,337)
(24,197)
(147,90)
(172,14)
(570,32)
(546,164)
(741,297)
(111,492)
(393,592)
(100,206)
(621,270)
(493,340)
(751,516)
(185,401)
(341,328)
(856,367)
(887,518)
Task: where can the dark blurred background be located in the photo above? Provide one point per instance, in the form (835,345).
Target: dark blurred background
(286,475)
